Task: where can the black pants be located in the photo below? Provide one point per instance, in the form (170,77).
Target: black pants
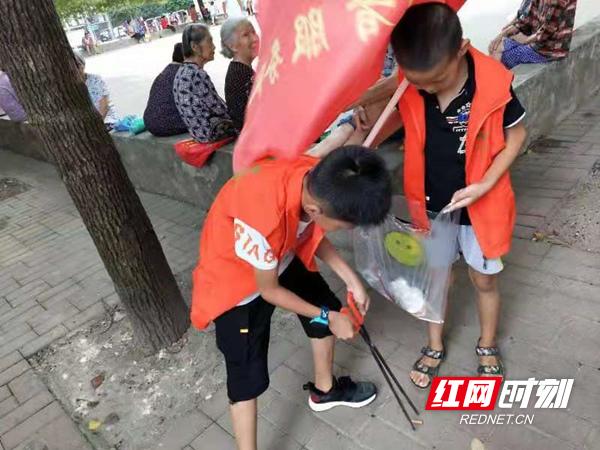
(243,332)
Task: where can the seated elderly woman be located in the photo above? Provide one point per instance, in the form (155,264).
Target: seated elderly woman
(99,94)
(202,110)
(239,42)
(540,33)
(161,116)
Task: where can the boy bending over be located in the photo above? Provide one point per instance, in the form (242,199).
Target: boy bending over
(257,252)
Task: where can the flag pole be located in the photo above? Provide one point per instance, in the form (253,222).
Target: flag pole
(389,109)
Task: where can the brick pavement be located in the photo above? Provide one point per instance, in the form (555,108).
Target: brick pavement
(52,282)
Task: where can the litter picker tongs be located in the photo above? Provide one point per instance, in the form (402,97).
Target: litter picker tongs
(357,319)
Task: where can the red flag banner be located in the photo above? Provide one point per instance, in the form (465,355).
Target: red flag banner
(316,58)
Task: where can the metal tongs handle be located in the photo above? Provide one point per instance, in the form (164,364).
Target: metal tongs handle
(358,320)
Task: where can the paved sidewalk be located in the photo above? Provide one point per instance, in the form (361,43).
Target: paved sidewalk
(52,282)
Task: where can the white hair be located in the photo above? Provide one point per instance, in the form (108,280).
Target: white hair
(228,30)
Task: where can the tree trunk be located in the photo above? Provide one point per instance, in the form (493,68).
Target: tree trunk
(35,53)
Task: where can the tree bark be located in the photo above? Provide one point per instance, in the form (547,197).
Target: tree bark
(35,53)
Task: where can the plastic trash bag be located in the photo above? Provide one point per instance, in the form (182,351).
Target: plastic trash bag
(407,265)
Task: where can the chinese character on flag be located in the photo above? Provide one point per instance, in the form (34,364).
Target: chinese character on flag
(316,58)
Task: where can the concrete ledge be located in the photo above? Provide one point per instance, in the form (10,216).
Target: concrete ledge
(151,162)
(20,138)
(548,92)
(153,166)
(551,92)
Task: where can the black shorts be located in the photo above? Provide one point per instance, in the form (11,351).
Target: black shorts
(243,332)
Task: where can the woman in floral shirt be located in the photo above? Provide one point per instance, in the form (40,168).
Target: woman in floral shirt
(540,35)
(199,105)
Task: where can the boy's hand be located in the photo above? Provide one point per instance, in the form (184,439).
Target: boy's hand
(515,137)
(359,293)
(361,119)
(327,253)
(340,325)
(466,196)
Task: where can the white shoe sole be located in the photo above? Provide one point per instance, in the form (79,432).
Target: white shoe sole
(320,407)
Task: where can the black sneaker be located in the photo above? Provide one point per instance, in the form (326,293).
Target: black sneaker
(344,392)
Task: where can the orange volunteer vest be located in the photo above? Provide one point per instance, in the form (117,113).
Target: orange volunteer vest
(267,197)
(493,215)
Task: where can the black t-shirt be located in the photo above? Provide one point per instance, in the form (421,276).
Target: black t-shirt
(238,84)
(445,142)
(161,116)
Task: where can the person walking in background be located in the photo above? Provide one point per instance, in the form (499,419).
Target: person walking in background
(213,11)
(192,13)
(135,31)
(239,42)
(540,33)
(140,26)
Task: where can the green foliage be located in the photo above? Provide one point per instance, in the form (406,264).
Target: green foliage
(146,9)
(118,15)
(119,10)
(175,5)
(68,8)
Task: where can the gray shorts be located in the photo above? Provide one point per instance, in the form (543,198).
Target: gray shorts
(471,252)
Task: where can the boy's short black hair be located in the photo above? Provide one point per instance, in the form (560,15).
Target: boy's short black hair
(353,185)
(426,36)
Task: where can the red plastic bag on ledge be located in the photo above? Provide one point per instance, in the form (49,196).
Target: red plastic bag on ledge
(197,153)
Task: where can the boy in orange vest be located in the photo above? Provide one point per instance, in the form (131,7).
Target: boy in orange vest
(463,127)
(257,252)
